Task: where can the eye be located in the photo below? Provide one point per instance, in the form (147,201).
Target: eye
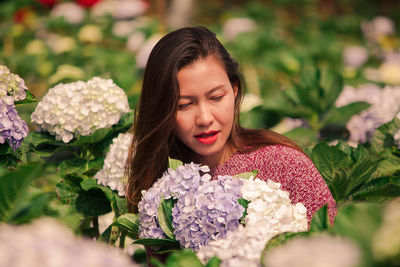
(217,97)
(184,106)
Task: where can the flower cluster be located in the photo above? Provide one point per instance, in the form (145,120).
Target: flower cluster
(208,212)
(269,213)
(172,184)
(80,108)
(11,84)
(332,251)
(47,242)
(385,103)
(13,129)
(112,173)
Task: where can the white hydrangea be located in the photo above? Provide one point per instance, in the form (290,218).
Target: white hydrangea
(113,172)
(269,213)
(385,104)
(46,242)
(377,28)
(80,108)
(318,250)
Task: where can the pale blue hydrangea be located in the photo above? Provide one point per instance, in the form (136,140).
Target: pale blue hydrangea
(172,184)
(207,212)
(11,84)
(13,129)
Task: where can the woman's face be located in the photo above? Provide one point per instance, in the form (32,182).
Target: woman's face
(206,110)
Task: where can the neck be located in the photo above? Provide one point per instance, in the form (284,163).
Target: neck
(213,161)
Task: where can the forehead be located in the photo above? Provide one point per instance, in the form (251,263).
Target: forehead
(202,74)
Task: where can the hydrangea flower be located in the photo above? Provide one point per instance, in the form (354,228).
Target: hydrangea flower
(46,242)
(13,129)
(11,84)
(207,212)
(80,108)
(112,173)
(385,103)
(317,250)
(269,213)
(172,184)
(235,26)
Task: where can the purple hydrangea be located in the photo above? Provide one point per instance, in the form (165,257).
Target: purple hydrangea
(12,128)
(207,212)
(172,184)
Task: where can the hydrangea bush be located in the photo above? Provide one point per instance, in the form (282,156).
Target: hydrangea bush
(112,173)
(80,108)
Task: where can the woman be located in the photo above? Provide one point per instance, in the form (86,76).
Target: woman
(189,109)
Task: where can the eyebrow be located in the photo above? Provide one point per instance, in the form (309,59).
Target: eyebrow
(208,93)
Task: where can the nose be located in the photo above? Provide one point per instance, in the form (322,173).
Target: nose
(204,116)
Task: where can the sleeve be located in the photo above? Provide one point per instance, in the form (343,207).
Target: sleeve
(298,175)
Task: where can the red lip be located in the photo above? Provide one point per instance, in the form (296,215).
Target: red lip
(208,137)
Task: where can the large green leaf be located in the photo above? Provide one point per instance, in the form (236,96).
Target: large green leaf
(302,136)
(247,175)
(80,166)
(379,189)
(90,203)
(341,115)
(13,185)
(340,184)
(328,159)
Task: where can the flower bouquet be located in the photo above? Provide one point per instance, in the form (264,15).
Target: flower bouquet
(231,218)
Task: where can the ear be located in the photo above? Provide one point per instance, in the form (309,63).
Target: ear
(235,89)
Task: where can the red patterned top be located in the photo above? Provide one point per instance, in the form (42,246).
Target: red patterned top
(291,168)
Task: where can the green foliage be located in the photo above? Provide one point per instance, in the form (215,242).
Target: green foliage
(165,217)
(174,163)
(13,188)
(345,169)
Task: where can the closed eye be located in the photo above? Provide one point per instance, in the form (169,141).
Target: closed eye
(184,106)
(217,98)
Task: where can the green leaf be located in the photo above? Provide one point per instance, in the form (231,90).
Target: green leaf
(247,175)
(379,188)
(328,160)
(244,203)
(157,242)
(174,163)
(79,166)
(213,262)
(37,138)
(106,235)
(28,99)
(340,184)
(302,136)
(165,217)
(33,210)
(13,185)
(320,220)
(383,136)
(183,258)
(92,202)
(129,222)
(95,137)
(341,115)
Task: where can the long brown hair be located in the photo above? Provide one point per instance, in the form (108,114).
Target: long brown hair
(153,139)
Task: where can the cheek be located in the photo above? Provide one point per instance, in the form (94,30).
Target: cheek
(182,124)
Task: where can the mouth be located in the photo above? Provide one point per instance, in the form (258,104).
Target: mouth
(208,137)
